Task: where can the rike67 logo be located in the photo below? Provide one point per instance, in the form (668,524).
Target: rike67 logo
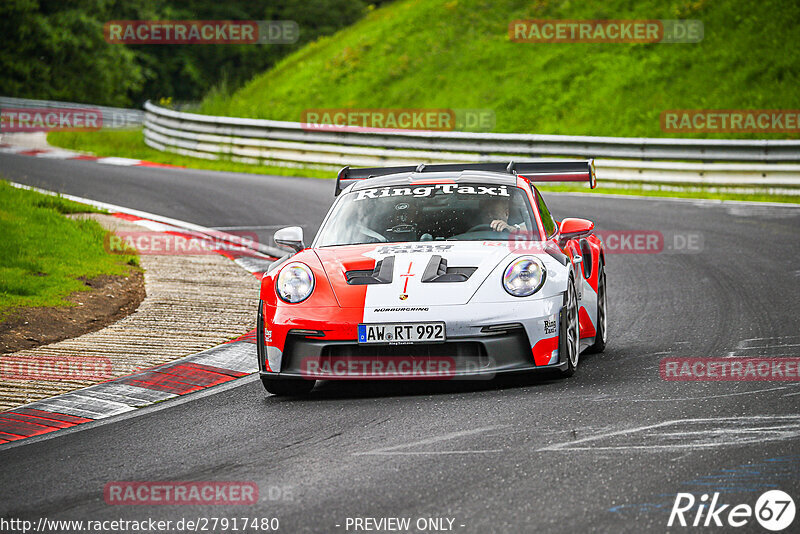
(774,510)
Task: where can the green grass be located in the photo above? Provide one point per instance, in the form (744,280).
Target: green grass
(43,253)
(457,54)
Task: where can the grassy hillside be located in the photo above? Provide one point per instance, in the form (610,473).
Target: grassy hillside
(457,54)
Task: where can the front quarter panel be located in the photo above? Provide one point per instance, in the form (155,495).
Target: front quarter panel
(320,311)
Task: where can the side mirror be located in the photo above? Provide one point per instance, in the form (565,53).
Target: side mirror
(573,228)
(290,237)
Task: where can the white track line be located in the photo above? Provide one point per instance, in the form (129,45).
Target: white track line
(583,444)
(713,201)
(393,450)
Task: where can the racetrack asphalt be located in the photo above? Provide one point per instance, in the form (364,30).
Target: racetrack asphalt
(606,450)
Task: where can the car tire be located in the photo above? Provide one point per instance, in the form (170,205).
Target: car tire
(569,343)
(599,344)
(277,386)
(288,388)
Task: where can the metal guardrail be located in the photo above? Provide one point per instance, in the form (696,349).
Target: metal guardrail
(112,117)
(762,163)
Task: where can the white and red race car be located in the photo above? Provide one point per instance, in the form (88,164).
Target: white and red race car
(434,272)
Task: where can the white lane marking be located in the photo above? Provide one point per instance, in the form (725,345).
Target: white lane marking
(114,208)
(394,450)
(769,346)
(649,354)
(792,394)
(770,338)
(271,251)
(154,226)
(778,388)
(123,162)
(263,227)
(754,430)
(14,149)
(769,354)
(715,437)
(57,154)
(570,445)
(710,201)
(425,453)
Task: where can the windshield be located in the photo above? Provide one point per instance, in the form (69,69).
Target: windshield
(435,212)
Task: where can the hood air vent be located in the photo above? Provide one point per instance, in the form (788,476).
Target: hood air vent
(381,274)
(438,271)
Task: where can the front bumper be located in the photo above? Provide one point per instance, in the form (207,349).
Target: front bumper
(497,344)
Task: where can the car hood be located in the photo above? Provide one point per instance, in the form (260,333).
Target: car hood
(455,270)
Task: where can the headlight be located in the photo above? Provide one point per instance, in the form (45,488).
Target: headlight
(295,283)
(524,276)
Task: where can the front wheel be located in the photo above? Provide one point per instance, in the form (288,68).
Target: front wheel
(569,340)
(288,388)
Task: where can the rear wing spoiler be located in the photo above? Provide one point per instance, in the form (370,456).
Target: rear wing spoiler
(539,171)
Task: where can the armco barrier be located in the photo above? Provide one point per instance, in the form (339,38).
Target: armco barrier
(757,163)
(112,117)
(762,163)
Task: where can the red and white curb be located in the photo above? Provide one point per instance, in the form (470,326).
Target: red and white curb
(255,261)
(57,153)
(193,373)
(212,367)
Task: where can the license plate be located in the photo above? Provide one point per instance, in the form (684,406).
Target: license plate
(399,333)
